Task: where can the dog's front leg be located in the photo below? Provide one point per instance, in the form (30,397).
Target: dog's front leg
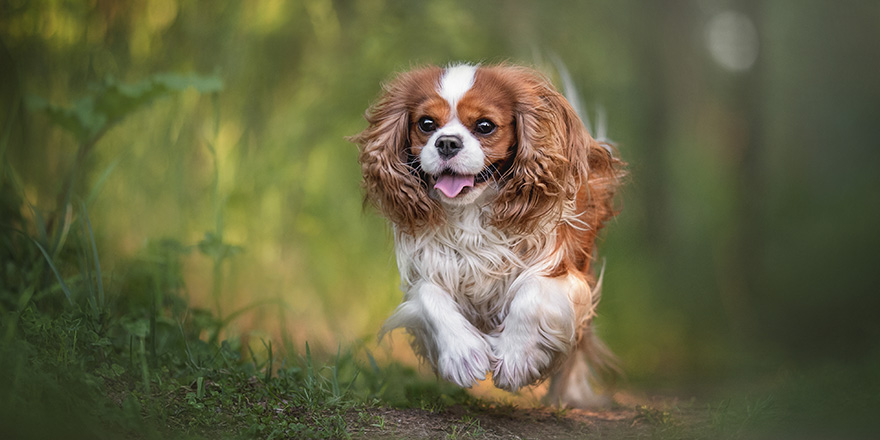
(458,351)
(539,329)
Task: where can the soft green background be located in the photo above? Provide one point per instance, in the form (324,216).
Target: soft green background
(747,245)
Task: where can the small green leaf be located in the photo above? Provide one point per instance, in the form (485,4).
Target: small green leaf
(103,342)
(118,369)
(213,246)
(140,327)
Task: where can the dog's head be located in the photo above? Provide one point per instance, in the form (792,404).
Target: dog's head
(496,135)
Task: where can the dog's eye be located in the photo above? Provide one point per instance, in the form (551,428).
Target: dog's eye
(427,124)
(484,126)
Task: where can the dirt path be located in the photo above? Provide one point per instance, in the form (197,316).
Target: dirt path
(506,423)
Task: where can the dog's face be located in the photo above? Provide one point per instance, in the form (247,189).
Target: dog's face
(440,137)
(463,134)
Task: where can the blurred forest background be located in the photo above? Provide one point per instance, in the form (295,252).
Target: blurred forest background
(746,250)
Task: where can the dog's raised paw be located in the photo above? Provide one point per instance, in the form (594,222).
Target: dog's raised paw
(464,364)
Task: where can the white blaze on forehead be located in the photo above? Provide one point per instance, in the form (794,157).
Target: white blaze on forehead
(455,173)
(455,82)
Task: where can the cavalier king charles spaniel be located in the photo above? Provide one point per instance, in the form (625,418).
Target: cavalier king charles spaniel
(496,193)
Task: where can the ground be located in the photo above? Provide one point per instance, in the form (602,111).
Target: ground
(497,423)
(659,418)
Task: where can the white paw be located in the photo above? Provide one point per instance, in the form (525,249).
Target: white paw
(465,361)
(518,365)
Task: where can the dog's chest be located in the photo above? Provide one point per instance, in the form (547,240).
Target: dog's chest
(474,263)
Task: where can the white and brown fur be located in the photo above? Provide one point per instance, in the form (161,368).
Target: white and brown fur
(498,278)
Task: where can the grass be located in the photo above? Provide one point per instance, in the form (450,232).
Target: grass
(467,427)
(124,355)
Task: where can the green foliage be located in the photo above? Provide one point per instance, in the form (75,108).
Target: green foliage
(213,246)
(111,101)
(125,354)
(139,363)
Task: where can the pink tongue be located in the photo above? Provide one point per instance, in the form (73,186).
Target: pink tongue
(451,184)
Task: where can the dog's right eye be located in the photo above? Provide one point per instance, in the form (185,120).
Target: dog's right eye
(427,124)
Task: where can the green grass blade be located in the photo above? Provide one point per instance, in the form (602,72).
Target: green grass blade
(253,358)
(145,370)
(98,274)
(64,220)
(334,383)
(7,130)
(271,360)
(55,271)
(39,223)
(87,269)
(373,364)
(102,179)
(310,371)
(190,359)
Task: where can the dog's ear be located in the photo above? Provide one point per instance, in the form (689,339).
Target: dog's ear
(604,175)
(391,180)
(550,161)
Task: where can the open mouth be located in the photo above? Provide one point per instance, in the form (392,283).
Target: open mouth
(453,184)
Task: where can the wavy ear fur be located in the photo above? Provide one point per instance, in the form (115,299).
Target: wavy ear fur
(550,162)
(596,203)
(391,181)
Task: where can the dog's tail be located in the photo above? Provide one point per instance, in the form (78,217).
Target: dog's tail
(591,365)
(575,384)
(599,130)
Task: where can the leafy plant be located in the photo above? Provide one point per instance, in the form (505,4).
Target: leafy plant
(90,117)
(112,101)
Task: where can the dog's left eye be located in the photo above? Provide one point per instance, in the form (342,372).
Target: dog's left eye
(484,126)
(427,124)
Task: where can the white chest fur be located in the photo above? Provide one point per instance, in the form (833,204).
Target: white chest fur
(473,262)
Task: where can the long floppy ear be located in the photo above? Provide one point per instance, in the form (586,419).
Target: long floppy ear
(606,171)
(550,162)
(391,182)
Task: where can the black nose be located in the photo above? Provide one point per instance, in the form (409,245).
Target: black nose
(448,146)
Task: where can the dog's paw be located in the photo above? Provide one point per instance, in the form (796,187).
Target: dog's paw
(518,366)
(465,362)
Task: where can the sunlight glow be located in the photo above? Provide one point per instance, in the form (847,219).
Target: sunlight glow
(732,40)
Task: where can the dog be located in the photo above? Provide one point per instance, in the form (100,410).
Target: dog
(496,194)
